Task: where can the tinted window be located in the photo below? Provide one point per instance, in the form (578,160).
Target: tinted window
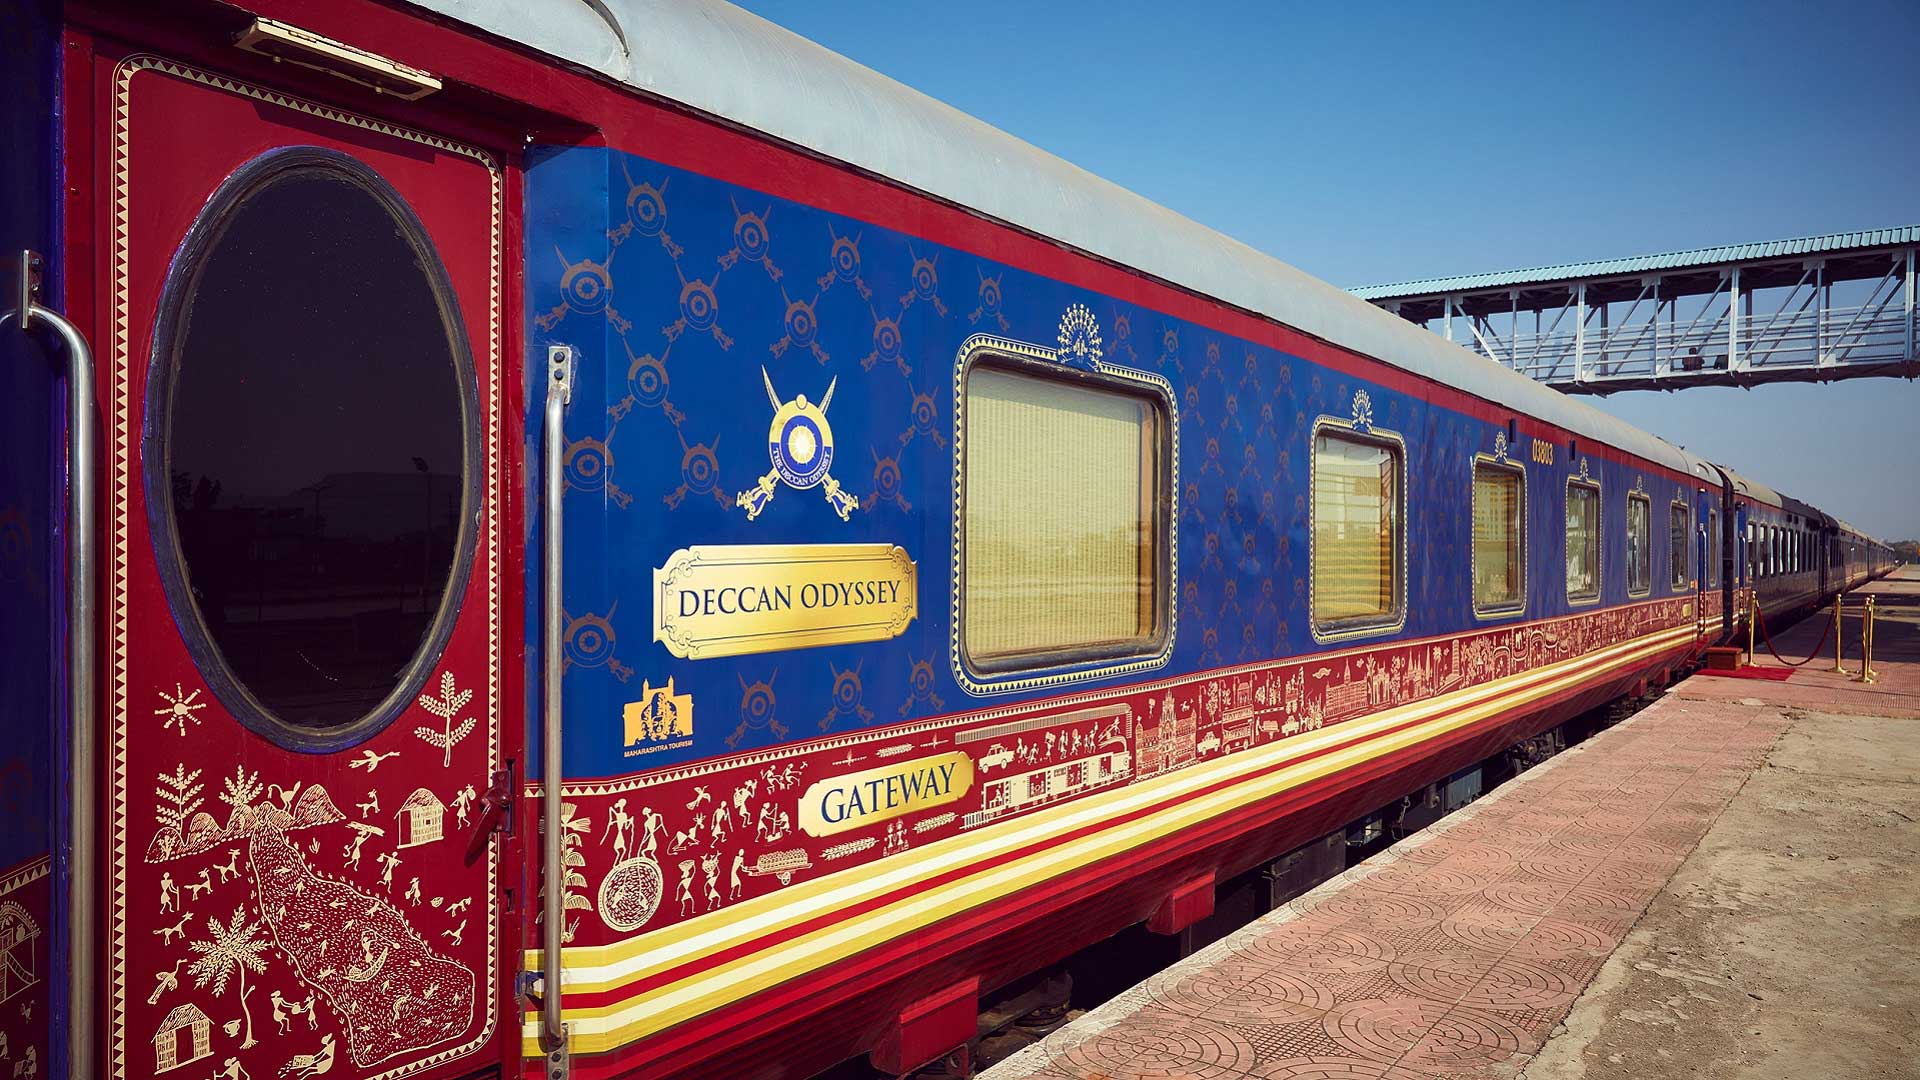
(1679,529)
(1639,550)
(314,447)
(1499,547)
(1583,541)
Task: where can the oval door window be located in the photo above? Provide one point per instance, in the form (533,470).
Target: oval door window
(310,462)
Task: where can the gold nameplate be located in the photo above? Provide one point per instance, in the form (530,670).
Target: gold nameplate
(857,800)
(730,600)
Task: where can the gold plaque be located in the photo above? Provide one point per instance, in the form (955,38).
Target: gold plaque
(730,600)
(857,800)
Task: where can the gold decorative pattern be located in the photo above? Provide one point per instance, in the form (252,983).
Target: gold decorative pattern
(1498,460)
(1362,425)
(1087,333)
(122,451)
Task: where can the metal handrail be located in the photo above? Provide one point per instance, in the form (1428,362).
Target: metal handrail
(553,630)
(1840,337)
(82,822)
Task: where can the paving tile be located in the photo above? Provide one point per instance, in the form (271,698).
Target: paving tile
(1454,953)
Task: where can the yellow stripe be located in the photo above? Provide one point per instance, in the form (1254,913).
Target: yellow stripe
(592,968)
(605,1027)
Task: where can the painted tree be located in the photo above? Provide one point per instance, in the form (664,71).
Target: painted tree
(240,789)
(573,833)
(232,949)
(446,707)
(179,796)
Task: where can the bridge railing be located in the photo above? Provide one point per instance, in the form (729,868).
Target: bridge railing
(1799,343)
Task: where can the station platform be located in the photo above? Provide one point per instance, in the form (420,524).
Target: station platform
(1724,884)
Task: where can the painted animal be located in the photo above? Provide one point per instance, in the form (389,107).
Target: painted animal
(198,889)
(231,867)
(168,933)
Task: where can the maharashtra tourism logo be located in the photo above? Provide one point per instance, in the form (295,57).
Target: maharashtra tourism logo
(660,720)
(800,445)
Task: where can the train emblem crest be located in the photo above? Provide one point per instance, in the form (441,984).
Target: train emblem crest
(800,446)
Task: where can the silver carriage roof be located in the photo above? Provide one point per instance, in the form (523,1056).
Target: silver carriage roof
(1753,489)
(732,64)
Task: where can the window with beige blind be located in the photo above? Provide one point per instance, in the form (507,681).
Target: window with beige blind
(1499,538)
(1679,537)
(1639,545)
(1063,532)
(1583,541)
(1356,532)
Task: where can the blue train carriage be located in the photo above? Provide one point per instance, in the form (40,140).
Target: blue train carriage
(936,604)
(805,560)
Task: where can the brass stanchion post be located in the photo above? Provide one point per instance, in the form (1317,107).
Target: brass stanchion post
(1839,628)
(1753,617)
(1866,647)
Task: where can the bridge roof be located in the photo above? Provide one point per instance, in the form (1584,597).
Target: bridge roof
(1640,264)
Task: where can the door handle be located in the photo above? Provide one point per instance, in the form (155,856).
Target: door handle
(560,371)
(82,1044)
(493,815)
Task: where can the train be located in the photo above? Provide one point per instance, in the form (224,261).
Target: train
(604,539)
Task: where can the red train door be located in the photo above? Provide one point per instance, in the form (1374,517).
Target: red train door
(301,378)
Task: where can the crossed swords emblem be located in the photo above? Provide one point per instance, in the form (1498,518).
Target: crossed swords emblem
(800,445)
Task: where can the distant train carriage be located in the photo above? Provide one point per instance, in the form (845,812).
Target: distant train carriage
(604,539)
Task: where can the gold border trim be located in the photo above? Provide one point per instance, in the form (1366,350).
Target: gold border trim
(1503,611)
(122,452)
(601,1028)
(1686,583)
(1600,544)
(1646,590)
(969,351)
(1398,619)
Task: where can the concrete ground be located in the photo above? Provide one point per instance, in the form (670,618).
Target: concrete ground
(1788,943)
(1725,885)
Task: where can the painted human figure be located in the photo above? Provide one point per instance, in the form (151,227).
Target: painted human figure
(733,876)
(463,804)
(710,866)
(390,862)
(620,827)
(169,894)
(651,827)
(722,823)
(232,1071)
(685,891)
(280,1014)
(353,849)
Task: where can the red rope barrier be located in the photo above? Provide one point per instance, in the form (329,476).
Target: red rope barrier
(1762,622)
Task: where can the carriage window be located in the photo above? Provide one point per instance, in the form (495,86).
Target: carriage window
(311,464)
(1679,526)
(1583,541)
(1499,538)
(1713,548)
(1064,541)
(1356,532)
(1639,545)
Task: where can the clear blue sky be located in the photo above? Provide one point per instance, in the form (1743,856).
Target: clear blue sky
(1388,142)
